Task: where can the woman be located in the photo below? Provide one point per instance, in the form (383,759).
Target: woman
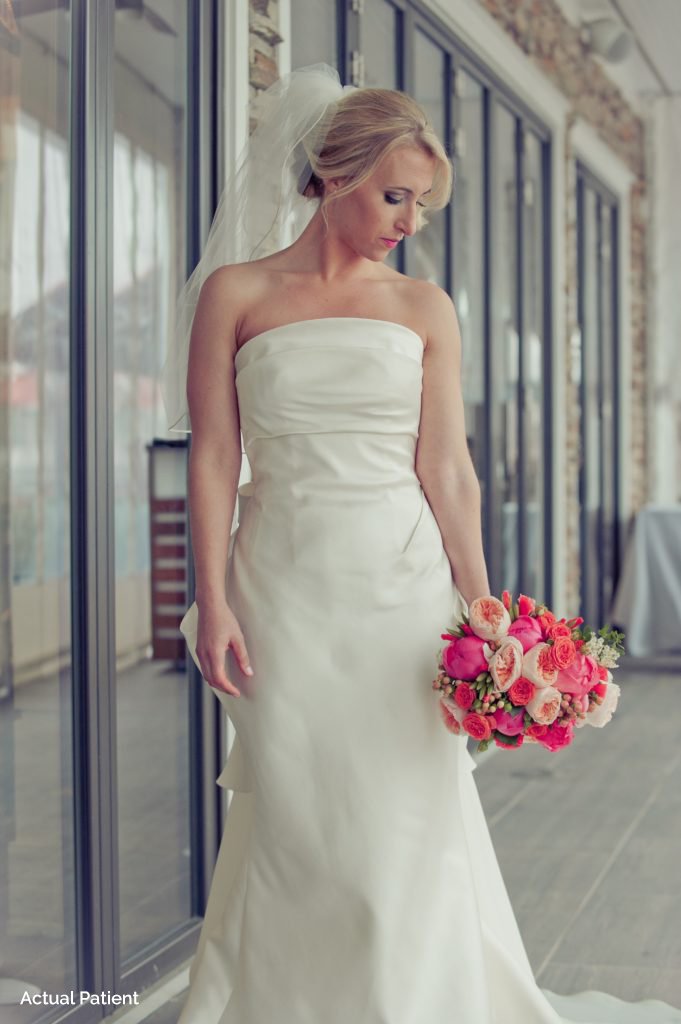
(356,879)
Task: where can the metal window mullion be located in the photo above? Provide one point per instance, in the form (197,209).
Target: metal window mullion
(548,362)
(521,484)
(581,318)
(492,519)
(614,352)
(91,417)
(206,727)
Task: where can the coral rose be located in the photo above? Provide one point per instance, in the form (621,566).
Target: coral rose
(538,665)
(545,620)
(536,731)
(563,652)
(464,696)
(510,743)
(464,658)
(526,629)
(557,736)
(510,723)
(506,663)
(451,715)
(557,629)
(488,618)
(478,726)
(601,714)
(545,705)
(522,691)
(580,677)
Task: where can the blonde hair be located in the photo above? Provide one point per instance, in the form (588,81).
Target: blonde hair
(365,126)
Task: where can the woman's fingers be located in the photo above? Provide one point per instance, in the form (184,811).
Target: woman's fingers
(238,645)
(219,681)
(212,646)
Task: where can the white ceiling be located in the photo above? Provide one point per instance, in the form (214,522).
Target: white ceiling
(657,27)
(653,67)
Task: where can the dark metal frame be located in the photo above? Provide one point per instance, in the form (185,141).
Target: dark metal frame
(587,180)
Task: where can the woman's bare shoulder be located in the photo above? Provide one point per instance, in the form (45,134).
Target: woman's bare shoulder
(233,277)
(238,286)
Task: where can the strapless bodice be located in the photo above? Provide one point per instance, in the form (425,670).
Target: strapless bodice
(330,404)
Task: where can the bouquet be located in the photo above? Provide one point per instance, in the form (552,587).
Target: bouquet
(512,672)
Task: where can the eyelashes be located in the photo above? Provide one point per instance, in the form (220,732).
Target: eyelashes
(394,200)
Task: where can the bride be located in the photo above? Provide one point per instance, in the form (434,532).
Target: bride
(356,880)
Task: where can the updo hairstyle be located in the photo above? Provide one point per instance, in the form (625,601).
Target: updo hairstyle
(364,126)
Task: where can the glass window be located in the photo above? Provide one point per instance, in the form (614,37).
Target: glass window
(505,340)
(534,423)
(379,45)
(469,261)
(37,880)
(427,251)
(149,189)
(596,378)
(313,33)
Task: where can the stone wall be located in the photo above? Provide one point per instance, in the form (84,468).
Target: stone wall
(264,38)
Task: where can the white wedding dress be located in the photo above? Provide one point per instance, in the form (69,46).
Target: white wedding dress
(356,881)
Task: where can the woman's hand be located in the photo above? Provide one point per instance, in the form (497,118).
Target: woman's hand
(218,630)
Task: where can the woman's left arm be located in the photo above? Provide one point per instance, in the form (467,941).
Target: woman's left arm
(443,462)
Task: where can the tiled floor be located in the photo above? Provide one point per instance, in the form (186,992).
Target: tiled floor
(588,840)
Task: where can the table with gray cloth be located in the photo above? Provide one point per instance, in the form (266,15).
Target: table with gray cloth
(647,604)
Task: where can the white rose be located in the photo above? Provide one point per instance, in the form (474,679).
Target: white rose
(601,714)
(451,713)
(506,663)
(538,665)
(545,705)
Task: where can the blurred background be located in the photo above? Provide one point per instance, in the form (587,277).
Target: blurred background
(562,251)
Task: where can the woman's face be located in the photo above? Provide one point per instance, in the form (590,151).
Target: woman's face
(377,215)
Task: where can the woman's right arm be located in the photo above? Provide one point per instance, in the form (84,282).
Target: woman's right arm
(214,468)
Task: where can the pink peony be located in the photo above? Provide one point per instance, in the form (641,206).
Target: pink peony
(580,677)
(464,658)
(464,696)
(527,629)
(506,663)
(488,618)
(526,604)
(478,726)
(510,723)
(557,736)
(538,665)
(545,705)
